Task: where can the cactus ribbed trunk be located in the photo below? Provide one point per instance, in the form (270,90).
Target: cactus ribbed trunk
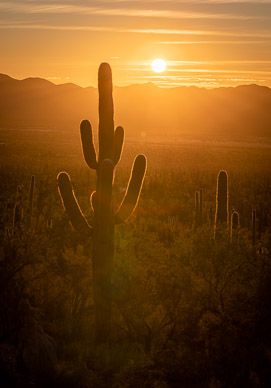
(102,262)
(103,228)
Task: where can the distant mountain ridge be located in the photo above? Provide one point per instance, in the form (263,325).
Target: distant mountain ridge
(140,108)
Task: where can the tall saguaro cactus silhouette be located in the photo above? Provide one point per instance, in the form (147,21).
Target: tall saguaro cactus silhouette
(105,219)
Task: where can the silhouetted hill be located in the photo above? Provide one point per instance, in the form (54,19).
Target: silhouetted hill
(242,111)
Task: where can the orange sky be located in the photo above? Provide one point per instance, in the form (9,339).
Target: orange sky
(206,43)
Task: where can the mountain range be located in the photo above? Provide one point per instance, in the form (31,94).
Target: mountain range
(142,109)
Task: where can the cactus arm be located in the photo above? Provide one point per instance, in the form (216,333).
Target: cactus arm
(87,144)
(71,205)
(235,220)
(133,190)
(118,144)
(106,112)
(93,201)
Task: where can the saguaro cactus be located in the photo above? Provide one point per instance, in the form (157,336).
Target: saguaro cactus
(18,211)
(221,214)
(17,217)
(105,219)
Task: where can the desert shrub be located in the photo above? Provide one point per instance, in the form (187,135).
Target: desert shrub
(188,310)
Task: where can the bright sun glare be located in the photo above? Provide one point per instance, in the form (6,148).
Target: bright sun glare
(158,65)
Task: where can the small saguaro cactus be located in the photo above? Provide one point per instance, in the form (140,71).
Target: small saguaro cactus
(221,214)
(17,217)
(18,211)
(105,218)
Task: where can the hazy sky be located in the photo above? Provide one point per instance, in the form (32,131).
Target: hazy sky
(205,42)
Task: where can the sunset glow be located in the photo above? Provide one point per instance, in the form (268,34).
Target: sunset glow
(207,43)
(135,217)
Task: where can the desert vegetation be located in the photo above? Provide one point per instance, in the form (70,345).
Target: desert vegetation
(189,281)
(187,309)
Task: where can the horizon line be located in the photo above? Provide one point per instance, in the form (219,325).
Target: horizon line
(175,85)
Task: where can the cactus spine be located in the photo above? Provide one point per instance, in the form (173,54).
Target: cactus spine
(221,214)
(105,219)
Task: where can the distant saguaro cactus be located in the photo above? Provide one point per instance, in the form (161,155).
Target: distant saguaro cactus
(17,216)
(18,211)
(105,219)
(221,214)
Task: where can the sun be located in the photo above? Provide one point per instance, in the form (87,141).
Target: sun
(158,65)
